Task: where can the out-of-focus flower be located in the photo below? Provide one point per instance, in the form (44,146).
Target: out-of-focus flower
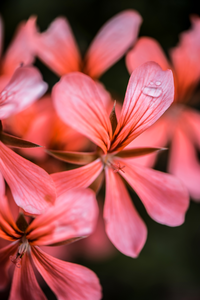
(180,124)
(72,217)
(149,93)
(31,186)
(40,124)
(57,47)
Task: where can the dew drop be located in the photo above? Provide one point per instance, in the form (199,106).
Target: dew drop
(152,91)
(158,82)
(151,82)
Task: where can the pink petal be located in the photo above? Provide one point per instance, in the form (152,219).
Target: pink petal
(191,120)
(80,177)
(32,188)
(20,50)
(191,36)
(77,101)
(5,262)
(146,49)
(25,87)
(184,163)
(185,58)
(164,197)
(149,93)
(112,41)
(68,281)
(58,49)
(24,284)
(124,227)
(73,215)
(156,135)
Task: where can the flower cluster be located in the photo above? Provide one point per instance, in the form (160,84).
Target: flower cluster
(80,124)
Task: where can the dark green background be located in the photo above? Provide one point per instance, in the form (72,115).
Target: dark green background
(169,265)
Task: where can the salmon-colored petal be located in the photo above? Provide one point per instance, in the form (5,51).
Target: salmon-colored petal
(146,49)
(111,42)
(68,281)
(80,177)
(57,48)
(74,215)
(190,121)
(156,135)
(191,36)
(25,87)
(32,188)
(20,50)
(5,262)
(24,284)
(185,58)
(149,93)
(124,227)
(77,101)
(165,198)
(184,163)
(8,228)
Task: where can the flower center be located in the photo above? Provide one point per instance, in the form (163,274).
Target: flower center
(20,253)
(116,166)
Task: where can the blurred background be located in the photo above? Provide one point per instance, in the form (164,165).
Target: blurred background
(169,265)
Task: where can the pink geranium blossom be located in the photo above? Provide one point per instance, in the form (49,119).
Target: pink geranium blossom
(20,86)
(58,49)
(72,217)
(180,124)
(31,186)
(149,93)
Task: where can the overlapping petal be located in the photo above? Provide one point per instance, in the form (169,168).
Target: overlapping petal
(74,215)
(112,41)
(32,188)
(68,281)
(184,163)
(80,177)
(184,58)
(124,226)
(24,284)
(77,101)
(25,86)
(149,93)
(146,49)
(165,198)
(57,48)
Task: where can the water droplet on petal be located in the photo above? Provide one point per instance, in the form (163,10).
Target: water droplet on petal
(152,91)
(158,82)
(151,82)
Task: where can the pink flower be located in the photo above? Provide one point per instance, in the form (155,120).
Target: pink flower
(58,49)
(72,217)
(149,93)
(31,186)
(40,124)
(20,86)
(180,124)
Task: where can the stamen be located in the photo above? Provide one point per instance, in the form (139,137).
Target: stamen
(16,260)
(21,251)
(117,167)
